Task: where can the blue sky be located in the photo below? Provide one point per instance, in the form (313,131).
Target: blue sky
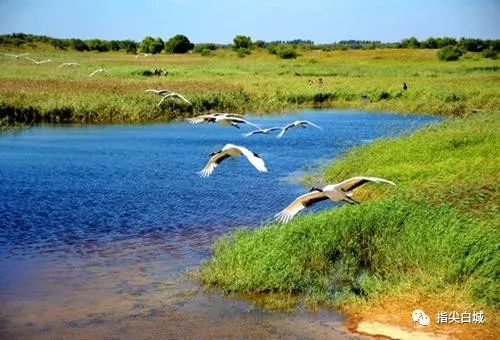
(220,20)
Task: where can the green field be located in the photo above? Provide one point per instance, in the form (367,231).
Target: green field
(434,238)
(260,82)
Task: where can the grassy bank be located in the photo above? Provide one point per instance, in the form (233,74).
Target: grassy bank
(370,79)
(433,241)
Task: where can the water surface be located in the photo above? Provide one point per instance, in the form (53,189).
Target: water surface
(98,222)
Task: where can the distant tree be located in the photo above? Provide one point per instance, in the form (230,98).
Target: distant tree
(114,45)
(411,42)
(446,41)
(151,45)
(260,44)
(199,48)
(60,44)
(178,44)
(79,45)
(429,43)
(242,41)
(129,46)
(98,45)
(472,45)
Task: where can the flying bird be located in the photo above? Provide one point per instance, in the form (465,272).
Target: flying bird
(172,95)
(157,92)
(210,118)
(297,123)
(230,150)
(38,62)
(232,119)
(261,131)
(17,56)
(68,64)
(335,192)
(144,54)
(99,70)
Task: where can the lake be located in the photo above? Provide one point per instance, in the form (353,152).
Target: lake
(99,224)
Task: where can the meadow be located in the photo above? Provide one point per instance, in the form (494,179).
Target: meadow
(431,243)
(258,83)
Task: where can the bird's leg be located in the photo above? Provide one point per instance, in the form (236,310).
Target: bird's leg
(235,125)
(350,200)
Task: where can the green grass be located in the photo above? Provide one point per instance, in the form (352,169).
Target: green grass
(436,231)
(261,82)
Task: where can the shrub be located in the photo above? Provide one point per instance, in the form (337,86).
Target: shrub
(449,53)
(98,45)
(178,44)
(287,52)
(79,45)
(490,53)
(243,52)
(199,48)
(242,41)
(151,45)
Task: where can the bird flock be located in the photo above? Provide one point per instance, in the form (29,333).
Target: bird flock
(335,192)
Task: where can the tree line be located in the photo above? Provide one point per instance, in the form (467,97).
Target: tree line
(244,44)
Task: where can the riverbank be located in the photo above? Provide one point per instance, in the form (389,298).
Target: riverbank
(363,79)
(430,243)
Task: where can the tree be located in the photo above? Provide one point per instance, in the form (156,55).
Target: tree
(178,44)
(98,45)
(129,46)
(151,45)
(114,45)
(242,41)
(78,45)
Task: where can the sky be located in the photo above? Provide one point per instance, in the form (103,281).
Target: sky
(219,21)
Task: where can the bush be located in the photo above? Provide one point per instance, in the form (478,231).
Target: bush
(243,52)
(449,53)
(199,48)
(178,44)
(79,45)
(287,52)
(490,53)
(151,45)
(242,41)
(98,45)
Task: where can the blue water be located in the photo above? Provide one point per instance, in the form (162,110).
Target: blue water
(64,188)
(95,220)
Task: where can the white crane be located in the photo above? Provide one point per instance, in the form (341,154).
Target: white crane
(144,54)
(38,62)
(157,92)
(297,123)
(210,118)
(68,64)
(335,192)
(261,131)
(232,119)
(17,56)
(173,95)
(99,70)
(231,150)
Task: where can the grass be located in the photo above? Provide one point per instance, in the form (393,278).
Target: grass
(435,234)
(432,240)
(370,79)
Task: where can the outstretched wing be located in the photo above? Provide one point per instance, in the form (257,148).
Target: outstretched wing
(212,163)
(284,129)
(354,182)
(310,123)
(90,75)
(173,94)
(300,203)
(253,158)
